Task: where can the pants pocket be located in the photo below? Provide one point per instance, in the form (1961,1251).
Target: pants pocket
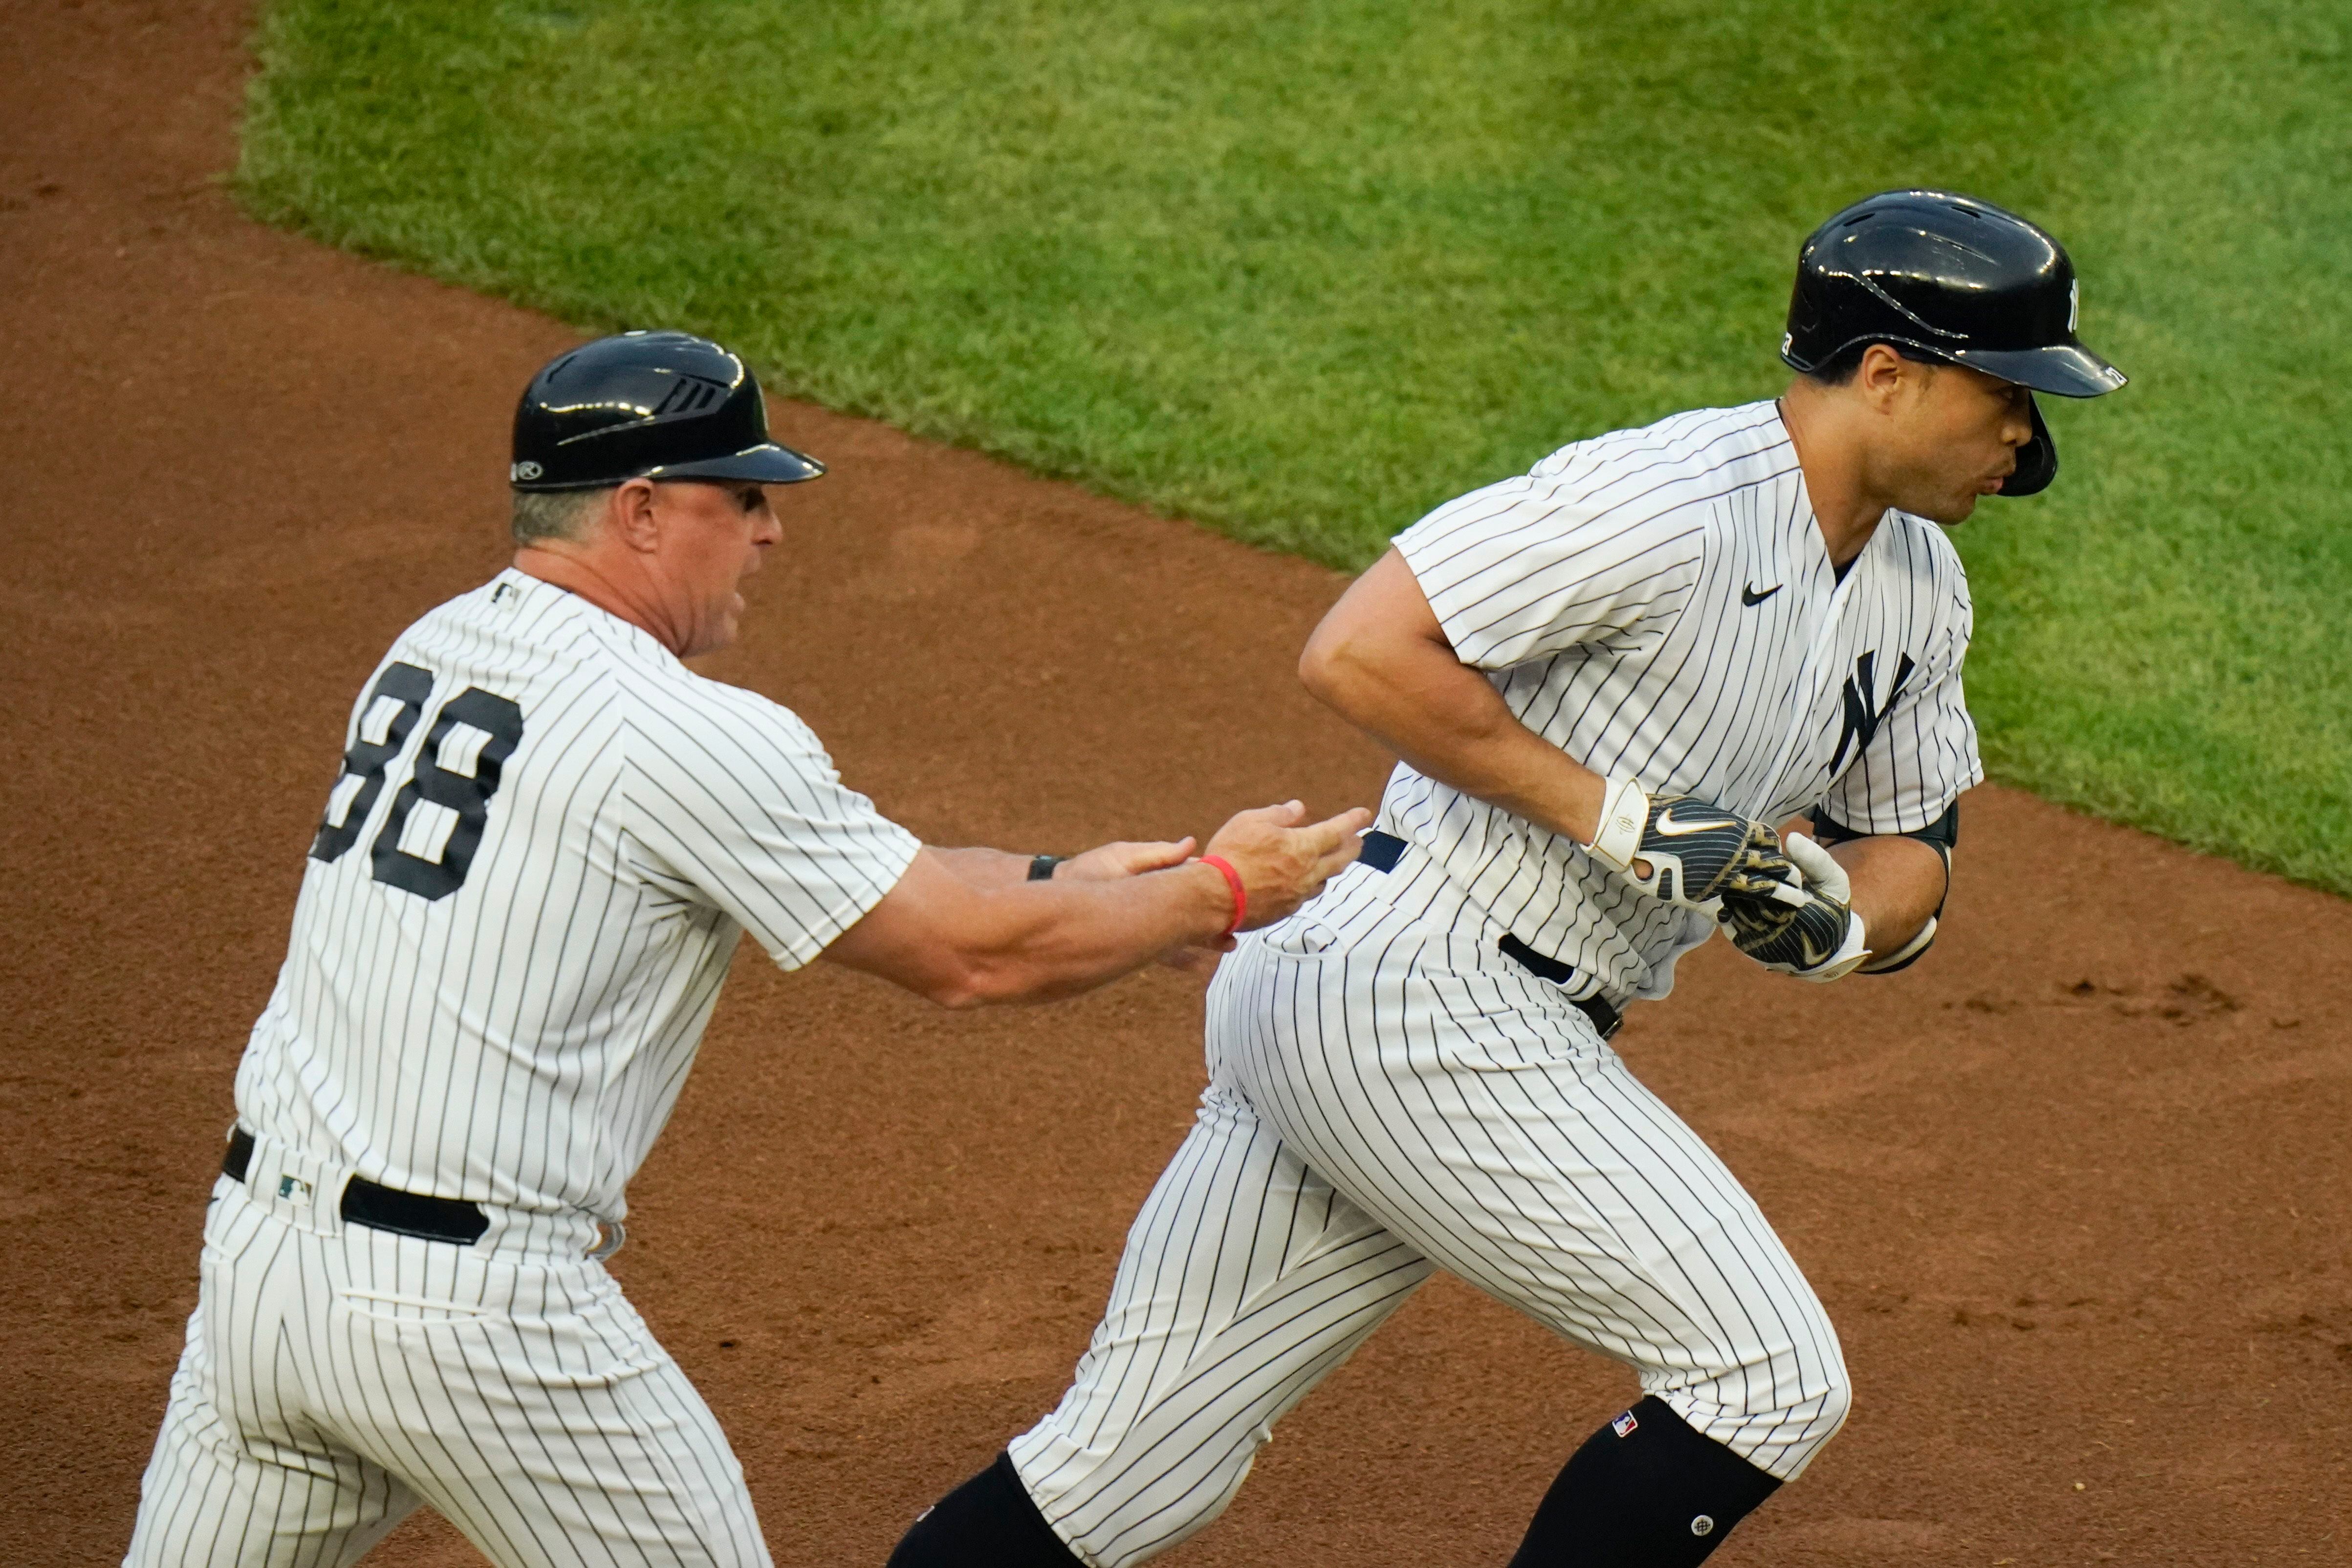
(388,1307)
(1485,1021)
(1299,936)
(577,1331)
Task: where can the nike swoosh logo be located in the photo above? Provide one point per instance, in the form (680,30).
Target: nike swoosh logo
(1668,827)
(1750,597)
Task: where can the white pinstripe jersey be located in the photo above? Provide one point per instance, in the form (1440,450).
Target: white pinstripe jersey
(1660,603)
(547,836)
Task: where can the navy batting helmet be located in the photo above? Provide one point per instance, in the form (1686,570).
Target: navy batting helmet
(1944,277)
(654,406)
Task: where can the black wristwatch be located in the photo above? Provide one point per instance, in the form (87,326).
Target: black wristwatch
(1041,866)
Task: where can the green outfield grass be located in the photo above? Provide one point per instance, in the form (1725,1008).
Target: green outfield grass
(1302,272)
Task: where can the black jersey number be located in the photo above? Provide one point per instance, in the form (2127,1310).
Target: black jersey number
(466,795)
(407,685)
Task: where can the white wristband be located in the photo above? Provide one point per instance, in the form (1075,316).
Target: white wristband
(1907,952)
(1624,812)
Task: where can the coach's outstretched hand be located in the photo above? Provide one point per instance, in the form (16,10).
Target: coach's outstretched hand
(1125,858)
(1282,858)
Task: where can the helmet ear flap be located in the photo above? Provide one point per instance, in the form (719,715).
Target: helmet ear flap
(2037,460)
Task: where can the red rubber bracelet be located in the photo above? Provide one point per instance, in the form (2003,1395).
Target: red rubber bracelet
(1233,880)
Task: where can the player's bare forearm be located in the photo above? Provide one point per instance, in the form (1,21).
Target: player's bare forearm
(1381,660)
(1898,884)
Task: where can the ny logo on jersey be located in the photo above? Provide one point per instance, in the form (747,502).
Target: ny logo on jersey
(1861,720)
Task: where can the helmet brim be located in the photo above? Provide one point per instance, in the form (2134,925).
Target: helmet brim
(766,464)
(2066,370)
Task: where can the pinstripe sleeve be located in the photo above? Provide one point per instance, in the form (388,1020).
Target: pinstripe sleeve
(733,804)
(1529,567)
(1923,753)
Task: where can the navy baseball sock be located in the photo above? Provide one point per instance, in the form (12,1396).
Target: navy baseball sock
(987,1522)
(1644,1491)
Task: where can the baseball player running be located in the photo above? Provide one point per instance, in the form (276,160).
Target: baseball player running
(1605,679)
(546,837)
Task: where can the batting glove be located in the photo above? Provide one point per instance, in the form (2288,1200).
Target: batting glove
(1688,852)
(1821,939)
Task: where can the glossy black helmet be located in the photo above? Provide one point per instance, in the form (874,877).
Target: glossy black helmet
(656,405)
(1946,276)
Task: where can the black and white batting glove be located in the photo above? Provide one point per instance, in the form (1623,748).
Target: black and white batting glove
(1688,852)
(1819,939)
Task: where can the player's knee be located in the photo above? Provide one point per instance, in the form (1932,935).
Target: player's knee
(1115,1508)
(1838,1402)
(1777,1410)
(1817,1420)
(1816,1393)
(1802,1424)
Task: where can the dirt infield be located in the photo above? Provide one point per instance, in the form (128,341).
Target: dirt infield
(2075,1190)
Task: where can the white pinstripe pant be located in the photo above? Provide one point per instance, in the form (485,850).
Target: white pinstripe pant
(1381,1106)
(336,1376)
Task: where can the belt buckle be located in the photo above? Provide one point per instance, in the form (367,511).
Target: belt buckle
(611,1237)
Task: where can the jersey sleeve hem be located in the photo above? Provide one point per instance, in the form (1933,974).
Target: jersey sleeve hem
(1894,821)
(1415,547)
(815,937)
(1529,567)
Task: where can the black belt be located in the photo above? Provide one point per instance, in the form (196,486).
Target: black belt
(1382,851)
(382,1208)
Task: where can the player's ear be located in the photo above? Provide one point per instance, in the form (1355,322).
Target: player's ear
(1879,378)
(631,517)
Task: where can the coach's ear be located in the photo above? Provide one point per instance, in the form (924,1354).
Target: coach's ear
(632,516)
